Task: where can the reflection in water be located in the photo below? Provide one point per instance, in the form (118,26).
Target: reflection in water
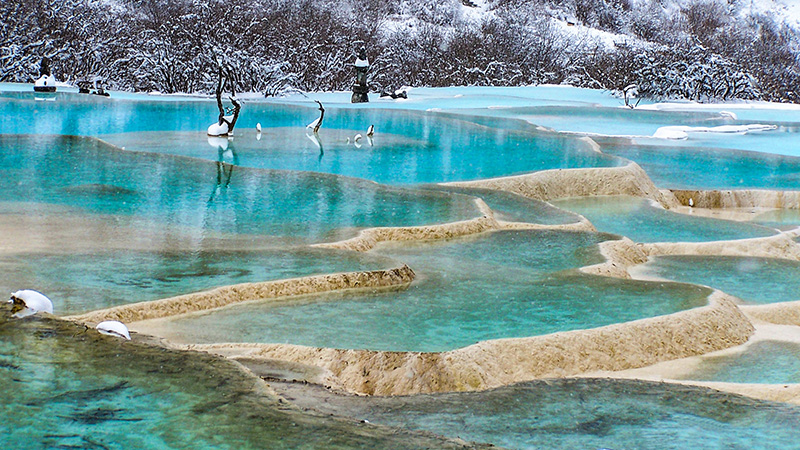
(314,137)
(169,191)
(67,386)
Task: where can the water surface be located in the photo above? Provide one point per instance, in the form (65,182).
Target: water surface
(81,282)
(584,414)
(68,387)
(95,177)
(768,362)
(639,220)
(496,285)
(754,280)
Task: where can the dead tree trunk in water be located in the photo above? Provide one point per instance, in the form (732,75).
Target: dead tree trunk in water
(224,112)
(321,116)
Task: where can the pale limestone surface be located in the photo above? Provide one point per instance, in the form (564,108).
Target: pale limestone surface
(778,246)
(620,256)
(743,198)
(563,183)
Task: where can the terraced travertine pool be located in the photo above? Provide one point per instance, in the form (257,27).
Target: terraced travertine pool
(106,202)
(505,284)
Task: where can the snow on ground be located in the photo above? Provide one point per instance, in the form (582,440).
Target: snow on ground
(580,32)
(787,10)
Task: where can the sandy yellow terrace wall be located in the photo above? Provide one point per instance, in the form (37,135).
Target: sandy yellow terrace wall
(562,183)
(227,295)
(744,198)
(779,246)
(620,255)
(785,313)
(368,238)
(500,362)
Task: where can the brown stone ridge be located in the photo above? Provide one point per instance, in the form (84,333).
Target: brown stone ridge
(501,362)
(227,295)
(553,184)
(740,198)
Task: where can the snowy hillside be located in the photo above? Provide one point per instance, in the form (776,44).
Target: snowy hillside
(696,49)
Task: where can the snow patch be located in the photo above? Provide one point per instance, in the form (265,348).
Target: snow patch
(217,129)
(682,132)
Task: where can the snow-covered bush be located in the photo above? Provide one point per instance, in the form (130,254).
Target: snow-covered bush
(699,49)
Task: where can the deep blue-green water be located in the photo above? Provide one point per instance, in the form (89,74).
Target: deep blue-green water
(711,167)
(587,414)
(409,147)
(66,387)
(504,284)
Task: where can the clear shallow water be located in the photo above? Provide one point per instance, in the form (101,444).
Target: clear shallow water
(81,282)
(516,208)
(416,147)
(639,220)
(782,218)
(754,280)
(86,174)
(498,285)
(590,414)
(769,362)
(66,387)
(412,150)
(710,167)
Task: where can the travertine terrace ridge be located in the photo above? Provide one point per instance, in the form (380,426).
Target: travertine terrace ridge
(547,185)
(228,295)
(743,198)
(500,362)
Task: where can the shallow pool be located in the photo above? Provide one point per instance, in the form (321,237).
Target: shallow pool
(497,285)
(769,362)
(81,282)
(409,147)
(639,220)
(754,280)
(712,167)
(187,193)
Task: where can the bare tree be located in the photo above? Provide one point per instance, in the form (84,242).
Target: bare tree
(227,115)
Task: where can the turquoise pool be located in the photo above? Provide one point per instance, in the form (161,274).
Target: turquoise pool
(171,191)
(711,167)
(754,280)
(768,362)
(67,387)
(639,220)
(409,147)
(497,285)
(82,282)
